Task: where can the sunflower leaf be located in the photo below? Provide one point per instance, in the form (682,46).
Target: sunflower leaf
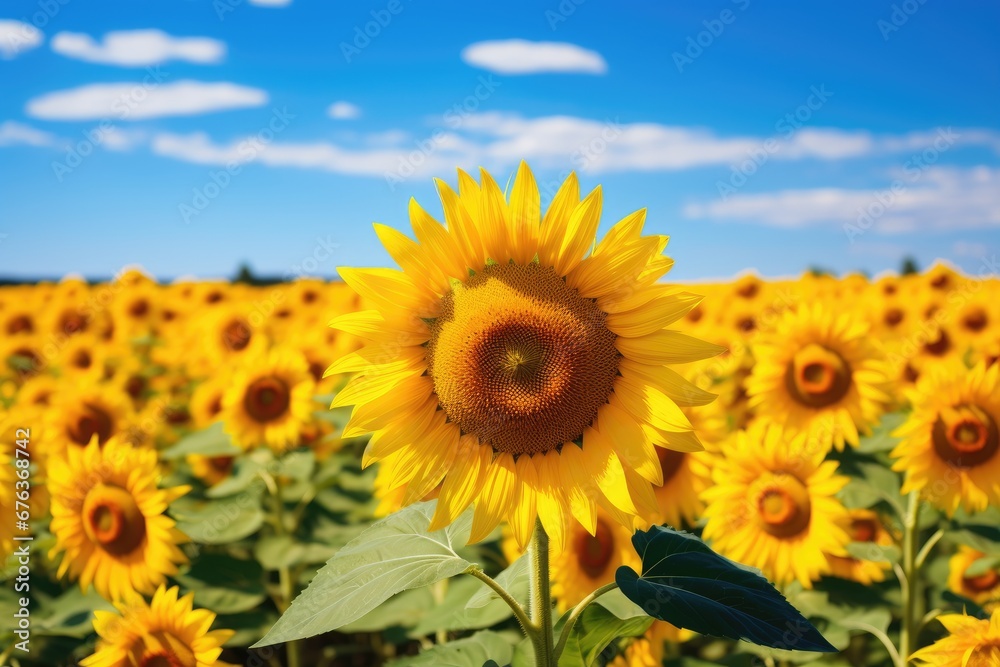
(685,583)
(393,555)
(479,650)
(611,617)
(212,441)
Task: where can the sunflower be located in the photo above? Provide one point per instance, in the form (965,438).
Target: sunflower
(589,561)
(529,378)
(982,588)
(8,478)
(773,505)
(108,519)
(211,469)
(206,401)
(971,642)
(866,527)
(168,632)
(79,411)
(648,650)
(269,400)
(949,447)
(817,372)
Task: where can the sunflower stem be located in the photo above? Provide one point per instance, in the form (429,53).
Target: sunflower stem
(575,615)
(910,566)
(293,650)
(522,617)
(541,597)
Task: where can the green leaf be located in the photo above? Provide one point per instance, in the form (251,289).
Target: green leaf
(876,553)
(981,537)
(610,617)
(474,651)
(872,483)
(298,465)
(213,441)
(401,610)
(224,584)
(219,521)
(685,583)
(881,439)
(455,613)
(72,614)
(395,554)
(981,566)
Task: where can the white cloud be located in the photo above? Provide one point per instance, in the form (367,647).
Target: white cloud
(939,199)
(969,249)
(138,48)
(343,111)
(137,101)
(12,133)
(17,37)
(519,56)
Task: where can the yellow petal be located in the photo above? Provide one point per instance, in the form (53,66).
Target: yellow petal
(652,316)
(580,487)
(493,220)
(551,499)
(525,215)
(522,519)
(390,290)
(412,258)
(496,497)
(460,224)
(438,448)
(680,390)
(667,347)
(368,387)
(606,469)
(463,482)
(648,404)
(580,232)
(407,430)
(556,220)
(374,326)
(629,441)
(442,247)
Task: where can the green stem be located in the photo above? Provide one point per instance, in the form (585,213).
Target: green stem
(293,649)
(541,597)
(925,550)
(529,628)
(911,533)
(577,613)
(878,634)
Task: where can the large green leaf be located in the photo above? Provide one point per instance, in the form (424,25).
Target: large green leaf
(685,583)
(213,441)
(395,554)
(455,612)
(610,617)
(224,584)
(475,651)
(219,521)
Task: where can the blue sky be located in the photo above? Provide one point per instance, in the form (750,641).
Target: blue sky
(188,137)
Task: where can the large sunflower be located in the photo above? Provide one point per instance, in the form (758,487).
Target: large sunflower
(971,642)
(818,372)
(950,444)
(168,632)
(269,400)
(773,505)
(108,519)
(519,362)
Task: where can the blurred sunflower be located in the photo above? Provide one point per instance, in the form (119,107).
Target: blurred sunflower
(866,527)
(211,469)
(648,650)
(590,560)
(773,505)
(551,360)
(108,519)
(971,642)
(817,372)
(168,632)
(8,477)
(79,411)
(269,400)
(206,400)
(982,588)
(949,447)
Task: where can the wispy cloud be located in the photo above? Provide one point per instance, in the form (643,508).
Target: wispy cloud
(17,37)
(343,110)
(14,133)
(519,56)
(137,101)
(138,48)
(945,198)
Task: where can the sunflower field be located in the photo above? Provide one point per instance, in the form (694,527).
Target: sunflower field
(524,446)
